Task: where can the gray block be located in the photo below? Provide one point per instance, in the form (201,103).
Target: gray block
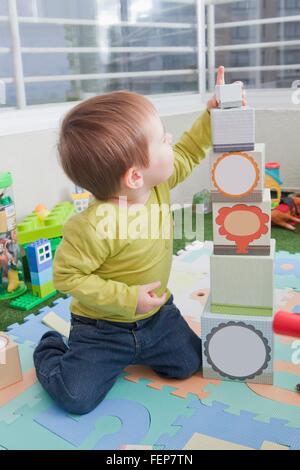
(237,348)
(233,129)
(243,280)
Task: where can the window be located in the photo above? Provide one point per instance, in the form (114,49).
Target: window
(73,49)
(69,50)
(258,41)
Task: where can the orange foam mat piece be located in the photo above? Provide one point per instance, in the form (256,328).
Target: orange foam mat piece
(194,384)
(9,393)
(276,394)
(283,366)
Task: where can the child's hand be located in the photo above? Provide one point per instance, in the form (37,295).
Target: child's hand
(213,103)
(284,219)
(147,299)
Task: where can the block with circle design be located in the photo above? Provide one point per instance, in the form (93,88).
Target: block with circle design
(238,176)
(242,228)
(237,348)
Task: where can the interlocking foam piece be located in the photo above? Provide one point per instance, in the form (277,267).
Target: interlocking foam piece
(194,255)
(162,408)
(289,368)
(277,394)
(30,398)
(10,393)
(239,397)
(60,306)
(290,301)
(202,442)
(135,447)
(287,281)
(243,429)
(26,434)
(134,417)
(287,270)
(285,382)
(195,384)
(296,309)
(266,445)
(33,329)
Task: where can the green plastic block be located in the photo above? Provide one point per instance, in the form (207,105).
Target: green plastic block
(27,302)
(32,229)
(44,290)
(241,310)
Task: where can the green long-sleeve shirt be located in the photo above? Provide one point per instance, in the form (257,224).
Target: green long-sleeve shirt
(102,274)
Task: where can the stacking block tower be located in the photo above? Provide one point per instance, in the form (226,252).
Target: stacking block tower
(237,337)
(40,262)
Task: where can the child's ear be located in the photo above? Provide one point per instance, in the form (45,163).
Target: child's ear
(133,178)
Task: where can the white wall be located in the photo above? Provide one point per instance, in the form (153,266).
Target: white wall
(38,178)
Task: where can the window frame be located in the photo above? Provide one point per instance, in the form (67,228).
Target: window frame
(279,96)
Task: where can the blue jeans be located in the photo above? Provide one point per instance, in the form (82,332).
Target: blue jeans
(79,376)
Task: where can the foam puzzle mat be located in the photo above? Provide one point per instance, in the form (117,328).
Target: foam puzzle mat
(143,410)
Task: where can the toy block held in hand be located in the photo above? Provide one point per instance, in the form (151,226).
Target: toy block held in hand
(241,228)
(237,348)
(233,129)
(243,285)
(230,96)
(238,176)
(10,366)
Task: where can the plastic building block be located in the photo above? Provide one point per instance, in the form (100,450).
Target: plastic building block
(230,96)
(27,302)
(39,255)
(237,348)
(44,290)
(41,277)
(32,229)
(239,282)
(242,229)
(10,366)
(238,176)
(233,129)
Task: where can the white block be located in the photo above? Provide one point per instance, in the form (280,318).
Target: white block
(237,348)
(241,228)
(243,283)
(52,320)
(229,96)
(233,129)
(238,176)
